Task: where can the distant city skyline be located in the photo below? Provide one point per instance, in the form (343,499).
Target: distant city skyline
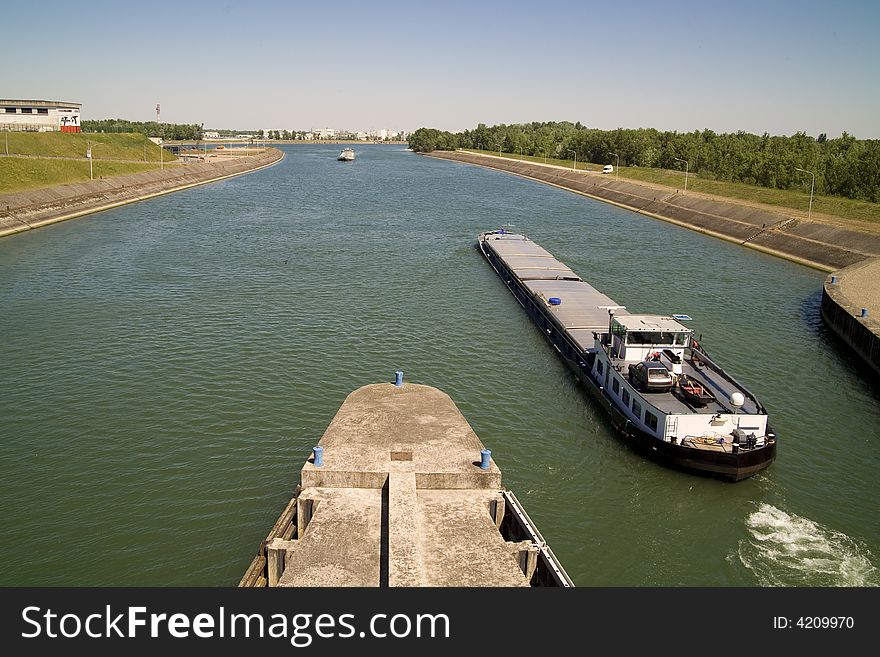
(777,67)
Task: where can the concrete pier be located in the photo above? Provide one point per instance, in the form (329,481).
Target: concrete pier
(401,500)
(851,307)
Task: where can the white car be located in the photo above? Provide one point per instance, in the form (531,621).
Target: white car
(608,169)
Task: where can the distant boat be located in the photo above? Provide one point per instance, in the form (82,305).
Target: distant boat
(347,155)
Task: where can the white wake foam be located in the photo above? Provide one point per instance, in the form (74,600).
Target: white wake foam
(785,549)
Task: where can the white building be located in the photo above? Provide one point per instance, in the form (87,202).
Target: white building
(325,133)
(210,134)
(39,116)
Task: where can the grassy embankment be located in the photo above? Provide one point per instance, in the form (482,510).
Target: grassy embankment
(46,163)
(834,206)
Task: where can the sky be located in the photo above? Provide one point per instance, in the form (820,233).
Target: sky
(769,66)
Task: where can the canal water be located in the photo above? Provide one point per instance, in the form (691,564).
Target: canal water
(167,367)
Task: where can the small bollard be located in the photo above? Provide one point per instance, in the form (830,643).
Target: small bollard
(318,453)
(484,458)
(864,312)
(834,280)
(398,378)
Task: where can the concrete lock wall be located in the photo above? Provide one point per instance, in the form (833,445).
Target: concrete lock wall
(843,298)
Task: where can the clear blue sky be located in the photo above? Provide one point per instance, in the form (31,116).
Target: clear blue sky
(778,67)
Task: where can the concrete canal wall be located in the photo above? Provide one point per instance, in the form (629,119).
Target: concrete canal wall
(814,244)
(40,207)
(846,295)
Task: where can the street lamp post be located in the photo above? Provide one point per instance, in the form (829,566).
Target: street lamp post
(812,185)
(89,156)
(499,149)
(570,150)
(521,153)
(686,166)
(616,168)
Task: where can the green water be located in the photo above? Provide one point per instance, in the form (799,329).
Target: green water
(168,365)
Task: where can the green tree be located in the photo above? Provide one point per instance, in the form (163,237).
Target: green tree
(844,166)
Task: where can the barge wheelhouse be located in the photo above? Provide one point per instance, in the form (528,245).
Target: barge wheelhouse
(664,393)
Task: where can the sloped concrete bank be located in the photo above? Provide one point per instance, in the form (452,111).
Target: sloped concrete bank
(814,244)
(40,207)
(846,295)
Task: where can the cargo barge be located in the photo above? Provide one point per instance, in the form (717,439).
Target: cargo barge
(663,392)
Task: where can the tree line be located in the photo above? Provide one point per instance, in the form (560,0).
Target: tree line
(148,128)
(844,166)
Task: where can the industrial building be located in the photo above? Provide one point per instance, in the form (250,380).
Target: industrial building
(39,116)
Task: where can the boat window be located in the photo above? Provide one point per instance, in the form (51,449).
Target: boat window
(637,409)
(626,396)
(615,385)
(681,339)
(652,337)
(599,367)
(651,420)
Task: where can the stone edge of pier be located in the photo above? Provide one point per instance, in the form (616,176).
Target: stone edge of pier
(847,294)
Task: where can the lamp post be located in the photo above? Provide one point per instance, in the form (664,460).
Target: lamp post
(520,153)
(90,158)
(571,150)
(812,185)
(617,168)
(686,165)
(499,149)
